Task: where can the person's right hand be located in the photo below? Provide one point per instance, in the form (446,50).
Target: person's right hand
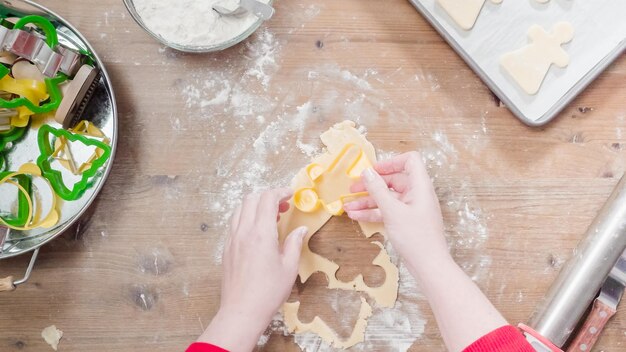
(401,195)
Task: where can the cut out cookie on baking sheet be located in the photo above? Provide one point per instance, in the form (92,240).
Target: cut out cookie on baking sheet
(336,139)
(464,12)
(529,65)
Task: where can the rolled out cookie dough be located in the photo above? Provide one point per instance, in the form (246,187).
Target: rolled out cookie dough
(529,65)
(464,12)
(385,295)
(318,326)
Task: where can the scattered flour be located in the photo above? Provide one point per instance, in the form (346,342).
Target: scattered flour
(240,95)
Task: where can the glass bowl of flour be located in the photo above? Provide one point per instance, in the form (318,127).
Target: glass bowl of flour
(192,25)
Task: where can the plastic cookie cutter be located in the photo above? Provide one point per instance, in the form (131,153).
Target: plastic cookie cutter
(23,183)
(331,185)
(55,177)
(63,153)
(6,137)
(31,93)
(32,214)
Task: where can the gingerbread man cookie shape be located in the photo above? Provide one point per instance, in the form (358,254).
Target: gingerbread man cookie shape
(464,12)
(529,65)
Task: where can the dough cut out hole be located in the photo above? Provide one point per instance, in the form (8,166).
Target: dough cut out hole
(342,242)
(338,308)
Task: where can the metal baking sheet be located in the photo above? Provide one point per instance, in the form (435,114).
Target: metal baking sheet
(101,111)
(599,38)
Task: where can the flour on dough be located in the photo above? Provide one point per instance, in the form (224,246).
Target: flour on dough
(52,335)
(529,65)
(385,295)
(464,12)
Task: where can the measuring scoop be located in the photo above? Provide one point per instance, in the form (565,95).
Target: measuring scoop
(260,9)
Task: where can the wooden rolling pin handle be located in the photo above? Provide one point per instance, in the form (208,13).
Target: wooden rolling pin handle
(590,331)
(6,284)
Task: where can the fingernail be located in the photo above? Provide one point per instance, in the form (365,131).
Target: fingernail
(303,231)
(368,174)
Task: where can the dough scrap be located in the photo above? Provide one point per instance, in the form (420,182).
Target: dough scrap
(464,12)
(385,295)
(529,65)
(318,326)
(52,336)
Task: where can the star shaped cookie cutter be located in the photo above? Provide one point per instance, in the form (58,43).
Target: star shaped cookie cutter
(330,186)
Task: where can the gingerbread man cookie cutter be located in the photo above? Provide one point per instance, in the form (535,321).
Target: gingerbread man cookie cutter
(347,154)
(344,170)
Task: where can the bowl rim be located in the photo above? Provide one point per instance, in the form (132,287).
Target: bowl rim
(130,7)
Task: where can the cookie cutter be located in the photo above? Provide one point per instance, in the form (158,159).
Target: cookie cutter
(10,136)
(31,93)
(63,153)
(344,170)
(45,53)
(34,218)
(55,177)
(5,119)
(24,182)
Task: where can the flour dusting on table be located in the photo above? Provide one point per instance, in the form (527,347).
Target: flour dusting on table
(239,98)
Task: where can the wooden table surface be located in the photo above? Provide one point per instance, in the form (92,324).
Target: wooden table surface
(198,131)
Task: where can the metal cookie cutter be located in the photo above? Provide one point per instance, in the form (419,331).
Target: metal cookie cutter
(41,51)
(326,183)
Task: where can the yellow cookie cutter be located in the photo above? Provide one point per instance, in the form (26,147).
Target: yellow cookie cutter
(35,212)
(307,199)
(63,154)
(33,90)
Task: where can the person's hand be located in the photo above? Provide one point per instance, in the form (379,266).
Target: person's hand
(258,273)
(401,195)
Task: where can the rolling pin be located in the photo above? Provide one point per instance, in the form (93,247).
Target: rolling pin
(580,279)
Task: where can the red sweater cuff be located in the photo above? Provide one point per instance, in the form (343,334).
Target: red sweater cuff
(504,339)
(204,347)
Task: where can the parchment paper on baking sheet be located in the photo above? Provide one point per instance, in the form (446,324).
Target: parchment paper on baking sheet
(600,33)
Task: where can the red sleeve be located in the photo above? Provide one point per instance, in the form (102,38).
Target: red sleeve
(204,347)
(504,339)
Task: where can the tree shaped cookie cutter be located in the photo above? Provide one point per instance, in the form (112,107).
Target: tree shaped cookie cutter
(340,174)
(55,177)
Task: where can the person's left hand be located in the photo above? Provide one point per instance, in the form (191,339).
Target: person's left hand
(258,272)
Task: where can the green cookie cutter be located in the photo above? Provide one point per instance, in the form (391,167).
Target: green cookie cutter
(52,85)
(7,137)
(23,207)
(46,26)
(55,177)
